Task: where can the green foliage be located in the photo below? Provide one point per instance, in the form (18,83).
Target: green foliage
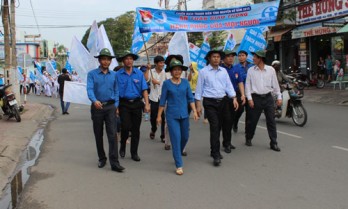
(217,40)
(196,38)
(119,31)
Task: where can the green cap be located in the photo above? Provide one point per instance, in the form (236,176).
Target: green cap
(229,52)
(260,53)
(176,63)
(105,52)
(126,54)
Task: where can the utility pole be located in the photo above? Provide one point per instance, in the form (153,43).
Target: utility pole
(14,76)
(7,48)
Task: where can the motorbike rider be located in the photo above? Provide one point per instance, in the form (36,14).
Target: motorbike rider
(280,75)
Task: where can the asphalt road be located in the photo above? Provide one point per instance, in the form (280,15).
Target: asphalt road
(310,171)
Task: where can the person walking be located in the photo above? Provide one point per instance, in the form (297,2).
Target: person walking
(133,89)
(156,79)
(329,67)
(242,68)
(177,94)
(213,85)
(102,90)
(61,81)
(260,83)
(229,112)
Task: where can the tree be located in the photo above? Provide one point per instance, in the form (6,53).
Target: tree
(119,31)
(196,38)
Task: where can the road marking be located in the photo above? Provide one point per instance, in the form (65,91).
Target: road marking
(341,148)
(280,132)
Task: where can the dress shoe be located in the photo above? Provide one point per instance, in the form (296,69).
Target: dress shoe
(227,149)
(248,142)
(122,153)
(136,158)
(167,147)
(162,138)
(117,168)
(184,153)
(152,135)
(232,147)
(275,147)
(217,161)
(101,164)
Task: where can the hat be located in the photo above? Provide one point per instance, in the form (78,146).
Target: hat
(222,54)
(260,53)
(105,52)
(230,52)
(170,58)
(275,62)
(126,54)
(158,59)
(175,63)
(243,51)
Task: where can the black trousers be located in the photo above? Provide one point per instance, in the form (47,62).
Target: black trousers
(99,117)
(265,104)
(227,122)
(236,114)
(214,112)
(153,117)
(131,115)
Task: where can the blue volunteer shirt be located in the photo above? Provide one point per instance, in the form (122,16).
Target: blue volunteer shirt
(242,70)
(131,86)
(102,87)
(1,81)
(234,76)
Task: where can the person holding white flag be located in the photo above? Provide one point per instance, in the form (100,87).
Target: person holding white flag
(102,90)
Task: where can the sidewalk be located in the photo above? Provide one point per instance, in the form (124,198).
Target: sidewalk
(326,95)
(15,136)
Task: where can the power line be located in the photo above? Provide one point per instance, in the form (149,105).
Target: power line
(32,8)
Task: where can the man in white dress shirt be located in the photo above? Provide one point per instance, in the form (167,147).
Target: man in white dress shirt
(261,81)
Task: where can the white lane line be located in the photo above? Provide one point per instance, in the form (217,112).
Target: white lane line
(341,148)
(280,132)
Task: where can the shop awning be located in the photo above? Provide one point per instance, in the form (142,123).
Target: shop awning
(344,29)
(277,35)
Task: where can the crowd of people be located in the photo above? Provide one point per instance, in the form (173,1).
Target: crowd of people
(172,92)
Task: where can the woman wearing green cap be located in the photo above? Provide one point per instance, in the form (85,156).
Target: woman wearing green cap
(177,94)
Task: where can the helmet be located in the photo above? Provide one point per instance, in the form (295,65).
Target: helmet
(275,62)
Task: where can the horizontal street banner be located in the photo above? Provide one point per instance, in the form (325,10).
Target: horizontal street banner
(251,16)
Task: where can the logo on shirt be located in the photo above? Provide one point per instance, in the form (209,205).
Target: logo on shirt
(236,75)
(136,80)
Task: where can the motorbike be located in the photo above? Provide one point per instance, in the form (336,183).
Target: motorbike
(9,103)
(307,80)
(292,106)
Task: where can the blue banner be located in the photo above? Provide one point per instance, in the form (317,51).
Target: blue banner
(137,39)
(255,15)
(38,66)
(32,76)
(54,64)
(253,41)
(68,67)
(194,52)
(230,43)
(20,75)
(201,62)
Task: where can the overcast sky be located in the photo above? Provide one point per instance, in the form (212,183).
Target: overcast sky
(75,13)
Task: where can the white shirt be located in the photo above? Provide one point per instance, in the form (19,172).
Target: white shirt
(156,90)
(262,82)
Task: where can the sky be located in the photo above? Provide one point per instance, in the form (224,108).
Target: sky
(76,13)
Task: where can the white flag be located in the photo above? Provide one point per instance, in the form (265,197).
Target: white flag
(92,41)
(103,42)
(81,60)
(50,70)
(179,45)
(75,92)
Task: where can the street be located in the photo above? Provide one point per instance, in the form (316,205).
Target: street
(309,172)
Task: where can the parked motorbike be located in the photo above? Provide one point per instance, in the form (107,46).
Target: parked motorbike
(9,103)
(307,80)
(292,106)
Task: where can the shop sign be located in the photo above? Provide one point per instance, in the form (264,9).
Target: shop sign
(321,10)
(316,31)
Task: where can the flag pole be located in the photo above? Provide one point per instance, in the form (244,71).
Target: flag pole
(147,56)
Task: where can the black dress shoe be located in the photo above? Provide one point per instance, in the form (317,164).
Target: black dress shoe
(232,147)
(101,164)
(248,142)
(227,149)
(217,161)
(275,147)
(184,153)
(122,153)
(136,158)
(117,168)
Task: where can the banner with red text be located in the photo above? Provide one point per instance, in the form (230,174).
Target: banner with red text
(251,16)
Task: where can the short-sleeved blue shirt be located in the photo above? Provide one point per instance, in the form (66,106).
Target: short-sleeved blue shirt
(242,70)
(131,86)
(234,76)
(177,97)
